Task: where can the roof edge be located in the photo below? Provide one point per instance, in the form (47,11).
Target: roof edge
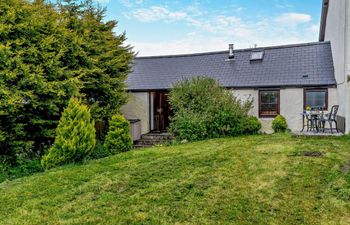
(334,85)
(237,50)
(325,5)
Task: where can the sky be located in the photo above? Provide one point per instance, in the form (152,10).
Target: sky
(155,27)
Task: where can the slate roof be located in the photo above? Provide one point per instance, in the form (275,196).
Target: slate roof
(299,65)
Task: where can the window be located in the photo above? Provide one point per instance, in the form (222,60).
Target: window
(257,55)
(316,98)
(269,103)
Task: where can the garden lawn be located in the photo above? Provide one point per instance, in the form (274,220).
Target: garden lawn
(245,180)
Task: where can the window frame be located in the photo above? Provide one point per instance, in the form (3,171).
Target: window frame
(316,90)
(278,103)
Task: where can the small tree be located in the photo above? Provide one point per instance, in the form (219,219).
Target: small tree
(75,136)
(118,138)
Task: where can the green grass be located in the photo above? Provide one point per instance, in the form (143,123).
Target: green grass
(245,180)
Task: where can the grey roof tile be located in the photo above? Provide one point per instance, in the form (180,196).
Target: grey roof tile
(282,66)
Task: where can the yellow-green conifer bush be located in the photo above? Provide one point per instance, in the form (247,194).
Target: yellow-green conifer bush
(118,138)
(75,136)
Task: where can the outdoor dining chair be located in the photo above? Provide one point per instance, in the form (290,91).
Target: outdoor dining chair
(331,118)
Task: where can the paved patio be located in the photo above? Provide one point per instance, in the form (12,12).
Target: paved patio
(317,134)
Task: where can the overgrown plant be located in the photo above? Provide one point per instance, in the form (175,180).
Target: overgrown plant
(118,138)
(75,136)
(203,109)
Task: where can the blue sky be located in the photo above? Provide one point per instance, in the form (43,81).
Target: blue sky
(157,27)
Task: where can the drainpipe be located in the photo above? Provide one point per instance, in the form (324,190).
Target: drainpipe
(345,40)
(346,55)
(345,43)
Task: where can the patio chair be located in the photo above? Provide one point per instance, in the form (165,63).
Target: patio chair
(320,117)
(331,118)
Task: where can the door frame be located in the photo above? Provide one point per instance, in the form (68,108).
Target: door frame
(157,100)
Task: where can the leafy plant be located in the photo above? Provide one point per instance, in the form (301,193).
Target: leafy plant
(118,138)
(188,126)
(203,109)
(75,137)
(99,151)
(279,124)
(26,168)
(252,125)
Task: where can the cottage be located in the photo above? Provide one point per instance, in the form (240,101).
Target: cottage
(280,80)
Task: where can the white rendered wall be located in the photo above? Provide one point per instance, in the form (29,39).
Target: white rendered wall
(291,106)
(138,108)
(252,94)
(338,33)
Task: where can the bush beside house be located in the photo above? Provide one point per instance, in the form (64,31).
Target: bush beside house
(75,136)
(203,109)
(279,124)
(252,125)
(118,138)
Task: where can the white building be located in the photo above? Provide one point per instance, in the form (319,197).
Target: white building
(335,27)
(281,79)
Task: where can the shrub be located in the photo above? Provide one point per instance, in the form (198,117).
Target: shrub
(189,126)
(118,138)
(279,124)
(252,125)
(27,168)
(203,109)
(99,151)
(75,136)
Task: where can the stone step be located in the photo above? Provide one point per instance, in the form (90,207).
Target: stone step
(152,139)
(137,146)
(155,136)
(150,142)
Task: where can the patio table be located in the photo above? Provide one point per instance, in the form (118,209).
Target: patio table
(313,119)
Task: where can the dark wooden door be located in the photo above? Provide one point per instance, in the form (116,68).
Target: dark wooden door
(162,111)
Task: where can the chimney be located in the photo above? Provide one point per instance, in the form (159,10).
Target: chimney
(231,55)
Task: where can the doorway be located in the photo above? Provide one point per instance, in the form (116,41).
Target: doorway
(161,111)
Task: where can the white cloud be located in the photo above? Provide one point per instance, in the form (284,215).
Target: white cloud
(157,13)
(293,19)
(190,44)
(195,42)
(129,3)
(314,28)
(226,25)
(283,4)
(102,1)
(213,31)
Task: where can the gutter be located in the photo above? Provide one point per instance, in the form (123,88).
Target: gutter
(250,87)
